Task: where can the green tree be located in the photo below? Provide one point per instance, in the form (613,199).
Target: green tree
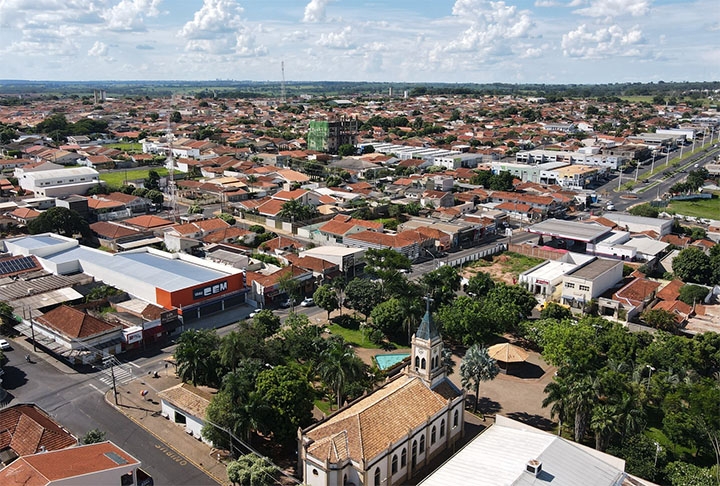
(693,294)
(294,210)
(660,319)
(155,196)
(441,284)
(639,452)
(93,436)
(197,357)
(554,310)
(685,474)
(692,265)
(175,117)
(387,316)
(480,284)
(7,314)
(251,470)
(288,284)
(326,298)
(362,295)
(337,366)
(477,366)
(645,210)
(228,218)
(509,304)
(152,181)
(266,323)
(63,221)
(346,150)
(290,397)
(464,320)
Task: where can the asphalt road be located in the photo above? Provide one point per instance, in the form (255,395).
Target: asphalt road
(77,402)
(656,185)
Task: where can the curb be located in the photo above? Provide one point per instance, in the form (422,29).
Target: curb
(146,429)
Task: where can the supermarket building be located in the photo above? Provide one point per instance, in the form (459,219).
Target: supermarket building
(193,286)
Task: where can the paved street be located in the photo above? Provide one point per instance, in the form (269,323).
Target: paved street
(77,402)
(656,185)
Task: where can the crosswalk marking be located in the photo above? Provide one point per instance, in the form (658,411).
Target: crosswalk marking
(123,375)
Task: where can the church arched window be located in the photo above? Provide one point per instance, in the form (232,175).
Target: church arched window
(433,433)
(395,463)
(423,364)
(456,418)
(422,444)
(403,458)
(442,428)
(377,476)
(417,362)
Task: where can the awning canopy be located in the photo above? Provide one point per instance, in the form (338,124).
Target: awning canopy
(508,353)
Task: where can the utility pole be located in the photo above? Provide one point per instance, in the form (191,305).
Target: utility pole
(110,359)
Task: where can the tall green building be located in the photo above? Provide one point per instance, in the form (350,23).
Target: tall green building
(328,136)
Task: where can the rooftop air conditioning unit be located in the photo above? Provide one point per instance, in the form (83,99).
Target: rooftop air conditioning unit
(534,467)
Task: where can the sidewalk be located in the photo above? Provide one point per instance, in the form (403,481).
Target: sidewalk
(145,412)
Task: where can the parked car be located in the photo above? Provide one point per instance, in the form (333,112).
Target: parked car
(4,345)
(610,207)
(288,303)
(254,313)
(307,302)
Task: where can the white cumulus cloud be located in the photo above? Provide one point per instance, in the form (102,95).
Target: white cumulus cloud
(337,40)
(214,17)
(128,15)
(315,11)
(615,8)
(602,43)
(99,49)
(492,25)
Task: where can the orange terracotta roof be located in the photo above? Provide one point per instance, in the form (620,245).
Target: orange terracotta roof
(28,429)
(366,428)
(74,323)
(112,231)
(148,221)
(671,291)
(74,462)
(636,291)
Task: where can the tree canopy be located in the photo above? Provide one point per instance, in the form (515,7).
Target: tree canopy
(63,221)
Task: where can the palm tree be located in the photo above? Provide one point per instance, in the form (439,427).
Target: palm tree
(232,350)
(603,423)
(337,366)
(581,398)
(557,394)
(196,357)
(477,366)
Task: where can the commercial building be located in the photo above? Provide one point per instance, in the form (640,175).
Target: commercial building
(638,224)
(193,286)
(572,235)
(590,281)
(58,182)
(545,280)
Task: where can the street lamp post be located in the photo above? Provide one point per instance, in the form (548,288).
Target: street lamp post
(433,257)
(649,376)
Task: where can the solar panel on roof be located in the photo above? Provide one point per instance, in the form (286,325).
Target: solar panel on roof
(16,265)
(115,458)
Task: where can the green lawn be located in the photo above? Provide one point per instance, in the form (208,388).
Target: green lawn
(117,179)
(357,337)
(127,147)
(517,263)
(700,208)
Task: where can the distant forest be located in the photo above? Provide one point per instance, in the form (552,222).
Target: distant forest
(18,91)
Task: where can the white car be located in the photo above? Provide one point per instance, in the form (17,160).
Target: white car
(610,207)
(254,313)
(4,345)
(307,302)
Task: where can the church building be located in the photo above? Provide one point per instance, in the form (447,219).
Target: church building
(385,437)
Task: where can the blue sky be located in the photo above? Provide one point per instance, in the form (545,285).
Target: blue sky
(524,41)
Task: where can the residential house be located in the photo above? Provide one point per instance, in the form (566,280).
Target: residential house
(24,215)
(266,291)
(27,429)
(97,464)
(631,299)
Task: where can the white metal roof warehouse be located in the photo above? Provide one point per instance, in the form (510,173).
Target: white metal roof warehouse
(171,280)
(570,230)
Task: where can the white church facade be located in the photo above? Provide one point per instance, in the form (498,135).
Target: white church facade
(385,437)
